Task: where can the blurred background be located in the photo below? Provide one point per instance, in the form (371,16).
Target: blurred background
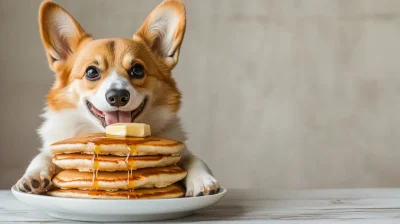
(276,94)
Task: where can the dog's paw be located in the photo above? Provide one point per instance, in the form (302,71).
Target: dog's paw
(36,182)
(201,184)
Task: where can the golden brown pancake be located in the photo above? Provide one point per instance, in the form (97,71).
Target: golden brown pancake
(171,191)
(102,144)
(142,178)
(85,162)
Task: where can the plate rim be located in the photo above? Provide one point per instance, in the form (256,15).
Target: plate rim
(15,191)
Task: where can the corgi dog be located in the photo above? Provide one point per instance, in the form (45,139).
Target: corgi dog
(104,81)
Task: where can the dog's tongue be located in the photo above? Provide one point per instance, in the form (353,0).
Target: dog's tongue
(117,117)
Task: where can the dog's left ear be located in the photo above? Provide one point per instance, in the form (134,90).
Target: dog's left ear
(164,29)
(61,33)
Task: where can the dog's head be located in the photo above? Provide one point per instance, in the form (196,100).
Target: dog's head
(115,80)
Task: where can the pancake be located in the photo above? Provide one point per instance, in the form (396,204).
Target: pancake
(102,144)
(142,178)
(85,162)
(171,191)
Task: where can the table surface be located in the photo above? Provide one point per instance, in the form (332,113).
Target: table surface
(263,206)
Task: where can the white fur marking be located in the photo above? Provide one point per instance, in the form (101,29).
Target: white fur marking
(115,81)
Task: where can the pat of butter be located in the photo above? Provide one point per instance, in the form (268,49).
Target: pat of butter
(129,129)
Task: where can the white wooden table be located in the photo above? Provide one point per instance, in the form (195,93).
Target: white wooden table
(262,206)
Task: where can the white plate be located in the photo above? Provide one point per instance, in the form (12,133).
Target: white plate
(117,210)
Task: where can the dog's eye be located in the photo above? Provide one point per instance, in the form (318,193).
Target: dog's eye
(92,74)
(136,72)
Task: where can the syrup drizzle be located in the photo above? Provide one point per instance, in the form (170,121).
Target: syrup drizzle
(130,165)
(99,139)
(127,166)
(95,182)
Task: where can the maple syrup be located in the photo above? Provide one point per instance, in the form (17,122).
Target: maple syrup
(131,143)
(130,164)
(101,138)
(131,193)
(96,151)
(132,149)
(96,163)
(131,185)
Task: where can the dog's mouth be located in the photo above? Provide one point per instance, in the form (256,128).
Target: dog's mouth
(111,117)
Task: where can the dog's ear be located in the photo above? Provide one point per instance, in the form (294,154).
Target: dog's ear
(164,29)
(61,33)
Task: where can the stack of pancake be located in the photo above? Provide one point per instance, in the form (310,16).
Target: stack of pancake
(117,167)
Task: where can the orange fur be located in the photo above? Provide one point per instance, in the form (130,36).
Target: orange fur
(109,55)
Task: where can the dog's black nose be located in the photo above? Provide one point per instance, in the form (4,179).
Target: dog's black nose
(117,97)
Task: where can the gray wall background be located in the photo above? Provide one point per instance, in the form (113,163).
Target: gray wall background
(292,93)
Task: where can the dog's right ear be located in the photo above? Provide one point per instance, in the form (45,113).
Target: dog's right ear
(61,33)
(164,29)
